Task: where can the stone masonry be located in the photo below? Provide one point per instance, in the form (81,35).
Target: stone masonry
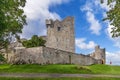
(60,34)
(45,55)
(99,54)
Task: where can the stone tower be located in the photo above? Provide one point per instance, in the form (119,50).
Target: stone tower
(60,34)
(99,54)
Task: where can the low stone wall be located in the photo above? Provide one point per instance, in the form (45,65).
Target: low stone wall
(45,55)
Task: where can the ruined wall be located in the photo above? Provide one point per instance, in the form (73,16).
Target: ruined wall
(45,55)
(99,54)
(27,56)
(60,34)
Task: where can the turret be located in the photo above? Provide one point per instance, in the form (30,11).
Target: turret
(49,23)
(99,54)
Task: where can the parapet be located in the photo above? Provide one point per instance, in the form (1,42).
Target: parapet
(48,21)
(68,18)
(97,47)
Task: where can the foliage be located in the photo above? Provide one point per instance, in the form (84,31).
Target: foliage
(12,19)
(2,59)
(3,43)
(113,15)
(35,41)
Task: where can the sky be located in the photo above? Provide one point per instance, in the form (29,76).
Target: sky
(90,29)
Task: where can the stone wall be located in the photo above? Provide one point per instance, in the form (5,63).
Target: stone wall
(45,55)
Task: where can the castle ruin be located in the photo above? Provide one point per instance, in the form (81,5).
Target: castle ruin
(60,48)
(99,54)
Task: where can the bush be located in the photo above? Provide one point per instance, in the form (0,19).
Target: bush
(35,41)
(2,59)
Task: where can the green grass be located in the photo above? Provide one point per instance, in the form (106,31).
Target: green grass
(92,69)
(105,69)
(4,78)
(42,69)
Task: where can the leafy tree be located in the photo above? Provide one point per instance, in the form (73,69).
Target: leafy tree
(12,19)
(35,41)
(113,15)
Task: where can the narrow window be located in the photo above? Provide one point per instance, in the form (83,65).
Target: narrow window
(59,28)
(69,59)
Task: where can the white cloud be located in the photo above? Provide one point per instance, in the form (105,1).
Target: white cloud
(87,7)
(37,11)
(80,42)
(95,25)
(113,57)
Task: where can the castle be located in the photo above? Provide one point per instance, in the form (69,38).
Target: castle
(60,48)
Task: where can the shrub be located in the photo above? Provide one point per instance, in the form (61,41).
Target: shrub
(2,59)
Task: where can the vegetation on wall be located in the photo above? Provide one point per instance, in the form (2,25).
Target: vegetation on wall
(35,41)
(2,59)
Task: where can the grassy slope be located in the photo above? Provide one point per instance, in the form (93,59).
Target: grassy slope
(105,69)
(4,78)
(93,69)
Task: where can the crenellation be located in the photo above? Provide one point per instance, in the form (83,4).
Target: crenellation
(49,23)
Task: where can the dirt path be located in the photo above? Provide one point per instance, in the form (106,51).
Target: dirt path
(32,75)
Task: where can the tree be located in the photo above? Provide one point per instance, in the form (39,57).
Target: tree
(113,15)
(12,19)
(35,41)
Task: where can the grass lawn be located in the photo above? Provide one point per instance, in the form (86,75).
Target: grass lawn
(92,69)
(4,78)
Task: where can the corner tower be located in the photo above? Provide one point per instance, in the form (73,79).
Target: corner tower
(60,34)
(99,54)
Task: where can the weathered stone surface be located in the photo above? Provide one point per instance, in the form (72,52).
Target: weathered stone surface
(60,34)
(45,55)
(99,54)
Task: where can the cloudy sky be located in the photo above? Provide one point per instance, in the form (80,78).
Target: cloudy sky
(90,30)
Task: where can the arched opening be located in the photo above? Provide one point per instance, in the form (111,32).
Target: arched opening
(103,62)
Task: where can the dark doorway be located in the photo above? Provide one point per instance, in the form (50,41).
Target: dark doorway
(59,28)
(69,59)
(102,61)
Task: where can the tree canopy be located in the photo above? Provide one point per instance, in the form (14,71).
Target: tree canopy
(113,15)
(12,19)
(35,41)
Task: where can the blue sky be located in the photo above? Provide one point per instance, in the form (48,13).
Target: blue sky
(90,30)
